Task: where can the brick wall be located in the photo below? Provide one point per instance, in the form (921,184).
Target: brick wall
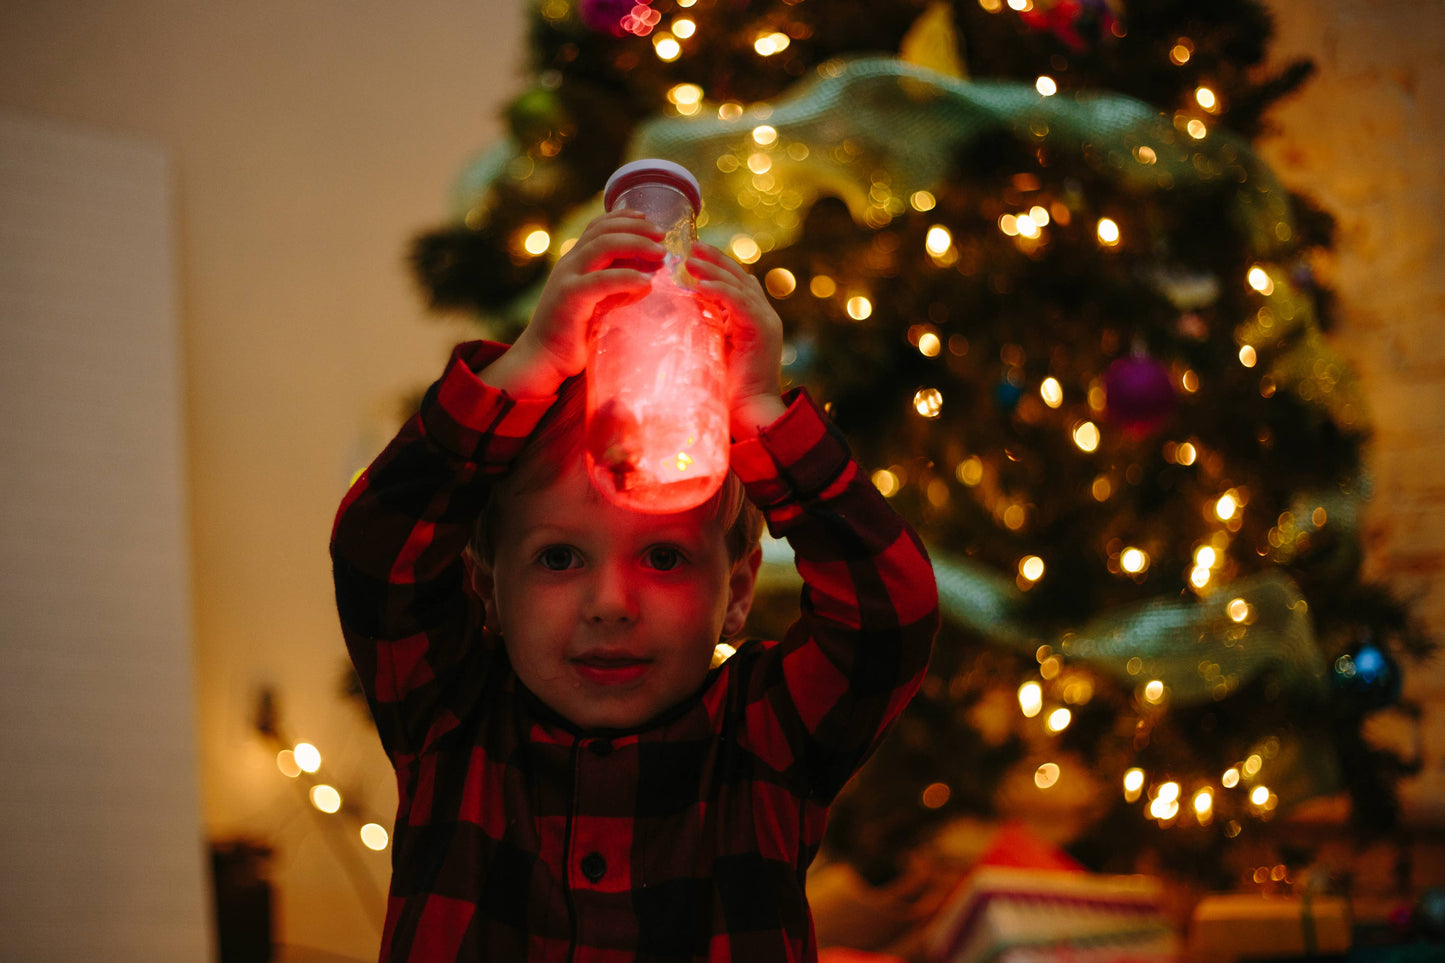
(1366,138)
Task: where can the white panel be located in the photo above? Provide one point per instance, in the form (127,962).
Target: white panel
(102,848)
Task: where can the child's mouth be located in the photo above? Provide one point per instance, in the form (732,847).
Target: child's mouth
(611,669)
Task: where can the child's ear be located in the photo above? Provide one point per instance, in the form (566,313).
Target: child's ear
(741,583)
(479,577)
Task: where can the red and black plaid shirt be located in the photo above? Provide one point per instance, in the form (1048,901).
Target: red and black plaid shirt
(519,837)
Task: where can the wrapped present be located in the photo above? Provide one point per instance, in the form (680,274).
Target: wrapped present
(1249,926)
(1027,903)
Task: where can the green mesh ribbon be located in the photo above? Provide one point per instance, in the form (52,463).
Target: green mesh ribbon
(1201,650)
(872,131)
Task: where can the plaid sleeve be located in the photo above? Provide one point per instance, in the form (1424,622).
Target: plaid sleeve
(397,542)
(869,604)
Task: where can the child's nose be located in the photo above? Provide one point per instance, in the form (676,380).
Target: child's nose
(612,598)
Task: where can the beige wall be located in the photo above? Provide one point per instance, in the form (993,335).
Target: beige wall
(311,138)
(1366,138)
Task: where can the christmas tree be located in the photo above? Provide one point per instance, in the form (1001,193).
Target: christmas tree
(1026,255)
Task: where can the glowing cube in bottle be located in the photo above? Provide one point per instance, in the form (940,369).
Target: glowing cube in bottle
(657,416)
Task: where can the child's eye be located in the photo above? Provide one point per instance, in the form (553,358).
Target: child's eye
(557,558)
(663,558)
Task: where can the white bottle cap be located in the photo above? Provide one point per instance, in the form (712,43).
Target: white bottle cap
(654,170)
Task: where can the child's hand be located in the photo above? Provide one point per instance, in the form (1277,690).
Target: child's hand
(754,337)
(553,347)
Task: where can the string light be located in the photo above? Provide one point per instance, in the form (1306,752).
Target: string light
(1031,699)
(928,402)
(859,307)
(308,757)
(1260,280)
(1046,775)
(1196,128)
(1239,610)
(374,837)
(1059,720)
(765,135)
(1052,392)
(771,43)
(745,249)
(1154,692)
(1045,86)
(325,798)
(886,482)
(1107,231)
(822,286)
(1133,560)
(1259,795)
(1086,436)
(1031,567)
(1230,779)
(923,201)
(537,242)
(1182,50)
(1203,804)
(938,240)
(683,27)
(666,47)
(928,345)
(1226,507)
(1133,784)
(1253,764)
(780,282)
(1205,98)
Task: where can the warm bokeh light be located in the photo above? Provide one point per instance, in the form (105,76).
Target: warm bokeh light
(1059,720)
(1253,764)
(745,249)
(1203,802)
(374,836)
(935,795)
(1031,699)
(683,27)
(1134,560)
(1230,779)
(1205,98)
(1182,50)
(667,48)
(780,282)
(1164,809)
(970,471)
(1238,610)
(1169,791)
(1259,795)
(1046,775)
(1108,231)
(928,402)
(859,307)
(1045,85)
(764,135)
(1154,691)
(1197,129)
(1248,356)
(1086,436)
(938,240)
(928,345)
(1133,780)
(286,762)
(308,757)
(1226,506)
(1260,280)
(537,242)
(325,798)
(1186,453)
(886,482)
(1031,567)
(770,43)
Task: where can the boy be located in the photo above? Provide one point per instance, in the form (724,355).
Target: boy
(577,781)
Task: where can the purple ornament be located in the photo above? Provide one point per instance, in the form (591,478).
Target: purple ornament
(1138,393)
(605,16)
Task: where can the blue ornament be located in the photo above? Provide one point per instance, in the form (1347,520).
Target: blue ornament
(1367,678)
(1006,395)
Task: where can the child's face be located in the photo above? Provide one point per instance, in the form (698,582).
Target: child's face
(610,616)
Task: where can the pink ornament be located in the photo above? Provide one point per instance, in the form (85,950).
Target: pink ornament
(1139,394)
(607,16)
(657,418)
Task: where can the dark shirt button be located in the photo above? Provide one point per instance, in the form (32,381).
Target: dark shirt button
(600,747)
(594,867)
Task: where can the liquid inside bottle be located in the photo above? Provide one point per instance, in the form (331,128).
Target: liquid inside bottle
(657,418)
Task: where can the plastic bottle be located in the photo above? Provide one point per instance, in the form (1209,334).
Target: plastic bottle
(657,416)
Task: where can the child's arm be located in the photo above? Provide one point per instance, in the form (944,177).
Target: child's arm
(399,535)
(870,602)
